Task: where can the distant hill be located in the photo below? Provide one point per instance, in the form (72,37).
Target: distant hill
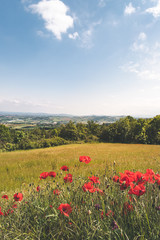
(20,120)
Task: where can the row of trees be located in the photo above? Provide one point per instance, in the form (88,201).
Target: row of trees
(131,130)
(125,130)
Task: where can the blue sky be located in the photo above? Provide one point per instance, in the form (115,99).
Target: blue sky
(80,57)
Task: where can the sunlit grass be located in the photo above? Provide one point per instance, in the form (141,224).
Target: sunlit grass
(23,167)
(37,216)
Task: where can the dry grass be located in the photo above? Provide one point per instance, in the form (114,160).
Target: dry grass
(23,167)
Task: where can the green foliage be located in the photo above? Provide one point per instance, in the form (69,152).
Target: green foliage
(69,131)
(153,130)
(130,130)
(56,141)
(4,135)
(125,130)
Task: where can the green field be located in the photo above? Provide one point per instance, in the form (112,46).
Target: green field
(128,209)
(20,168)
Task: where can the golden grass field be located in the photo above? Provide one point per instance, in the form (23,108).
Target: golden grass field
(20,168)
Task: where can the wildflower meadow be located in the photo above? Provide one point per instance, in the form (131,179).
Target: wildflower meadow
(65,205)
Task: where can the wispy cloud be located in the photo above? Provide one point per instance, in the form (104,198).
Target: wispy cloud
(73,36)
(142,36)
(140,44)
(155,11)
(54,14)
(146,65)
(86,37)
(129,9)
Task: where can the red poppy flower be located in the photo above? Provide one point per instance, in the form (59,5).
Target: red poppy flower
(5,196)
(14,206)
(85,159)
(110,213)
(137,189)
(68,178)
(99,191)
(38,188)
(102,214)
(65,209)
(124,181)
(94,179)
(89,187)
(18,196)
(43,175)
(157,178)
(64,168)
(115,178)
(56,192)
(52,174)
(8,211)
(148,178)
(150,172)
(1,213)
(138,177)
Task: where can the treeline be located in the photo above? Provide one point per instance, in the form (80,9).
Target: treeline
(125,130)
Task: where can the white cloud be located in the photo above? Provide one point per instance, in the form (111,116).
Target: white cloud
(155,11)
(139,47)
(140,44)
(147,64)
(73,36)
(142,36)
(129,9)
(54,14)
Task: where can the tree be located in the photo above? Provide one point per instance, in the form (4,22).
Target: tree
(18,136)
(93,128)
(4,134)
(153,130)
(81,130)
(69,131)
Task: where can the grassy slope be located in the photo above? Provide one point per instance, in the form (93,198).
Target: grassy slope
(23,167)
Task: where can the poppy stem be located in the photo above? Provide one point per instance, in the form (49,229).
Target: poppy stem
(75,224)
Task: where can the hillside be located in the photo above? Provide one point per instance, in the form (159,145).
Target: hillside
(23,167)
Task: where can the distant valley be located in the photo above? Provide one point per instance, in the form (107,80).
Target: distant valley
(30,120)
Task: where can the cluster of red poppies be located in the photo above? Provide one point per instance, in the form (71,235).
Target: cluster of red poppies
(90,186)
(136,181)
(65,208)
(17,197)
